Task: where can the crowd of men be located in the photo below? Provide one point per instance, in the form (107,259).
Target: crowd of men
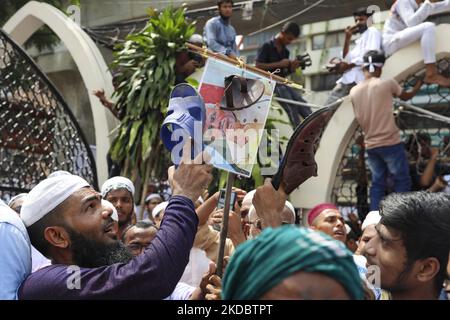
(66,240)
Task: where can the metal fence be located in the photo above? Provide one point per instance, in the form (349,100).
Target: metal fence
(38,132)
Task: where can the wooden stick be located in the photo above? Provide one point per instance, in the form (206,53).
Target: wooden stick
(239,63)
(224,229)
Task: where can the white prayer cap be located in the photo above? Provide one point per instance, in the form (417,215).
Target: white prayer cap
(58,173)
(160,207)
(115,215)
(248,198)
(348,229)
(290,207)
(152,196)
(196,38)
(117,183)
(252,216)
(48,194)
(373,217)
(19,196)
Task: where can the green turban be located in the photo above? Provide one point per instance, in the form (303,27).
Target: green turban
(260,264)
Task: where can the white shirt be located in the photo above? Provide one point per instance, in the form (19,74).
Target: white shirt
(197,266)
(369,40)
(15,251)
(404,14)
(182,291)
(38,261)
(447,188)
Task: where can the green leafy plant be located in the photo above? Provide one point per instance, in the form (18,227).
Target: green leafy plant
(145,75)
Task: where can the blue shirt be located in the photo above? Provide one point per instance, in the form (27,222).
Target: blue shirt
(15,250)
(220,36)
(152,275)
(360,262)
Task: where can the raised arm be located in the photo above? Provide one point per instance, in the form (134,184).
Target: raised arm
(269,203)
(407,95)
(151,275)
(427,177)
(411,18)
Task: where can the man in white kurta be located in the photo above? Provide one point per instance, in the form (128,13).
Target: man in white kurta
(351,67)
(406,25)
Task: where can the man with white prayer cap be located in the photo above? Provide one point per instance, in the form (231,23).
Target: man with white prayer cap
(245,208)
(15,250)
(247,203)
(256,225)
(151,202)
(120,192)
(16,202)
(68,222)
(368,230)
(38,261)
(158,212)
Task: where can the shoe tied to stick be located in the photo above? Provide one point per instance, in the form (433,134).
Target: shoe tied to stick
(185,118)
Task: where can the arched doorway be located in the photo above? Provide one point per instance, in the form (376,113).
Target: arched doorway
(38,132)
(338,155)
(92,67)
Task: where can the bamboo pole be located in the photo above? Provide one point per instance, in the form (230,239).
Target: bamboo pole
(240,63)
(224,229)
(144,189)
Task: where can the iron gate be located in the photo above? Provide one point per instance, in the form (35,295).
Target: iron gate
(38,132)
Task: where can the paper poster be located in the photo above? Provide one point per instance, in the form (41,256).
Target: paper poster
(232,136)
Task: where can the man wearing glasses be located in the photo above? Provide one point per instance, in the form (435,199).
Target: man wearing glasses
(257,225)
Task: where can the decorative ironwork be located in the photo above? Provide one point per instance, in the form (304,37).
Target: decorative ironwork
(352,184)
(38,132)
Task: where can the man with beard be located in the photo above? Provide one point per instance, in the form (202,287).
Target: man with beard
(326,217)
(120,192)
(138,237)
(219,33)
(68,222)
(411,245)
